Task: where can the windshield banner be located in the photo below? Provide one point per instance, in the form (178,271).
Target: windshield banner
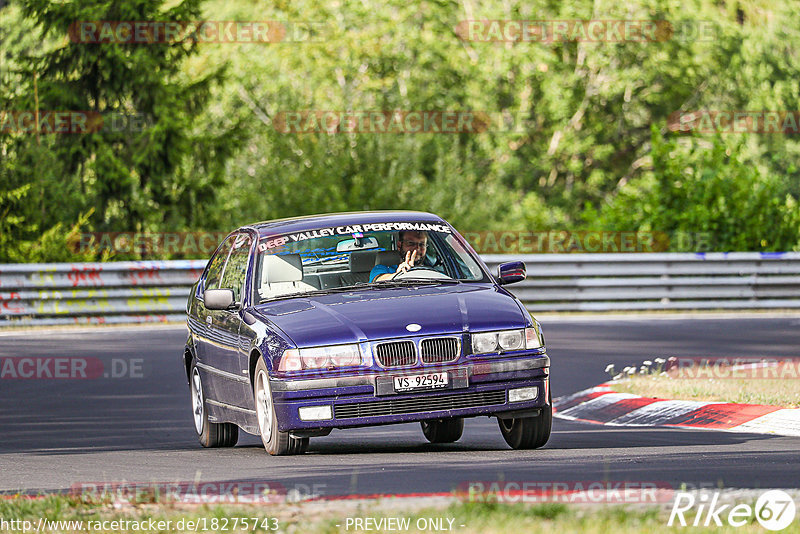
(273,242)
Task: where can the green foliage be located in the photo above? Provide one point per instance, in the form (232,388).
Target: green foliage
(587,147)
(587,109)
(132,175)
(10,223)
(694,187)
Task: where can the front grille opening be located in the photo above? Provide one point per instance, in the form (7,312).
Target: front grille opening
(439,350)
(422,404)
(396,353)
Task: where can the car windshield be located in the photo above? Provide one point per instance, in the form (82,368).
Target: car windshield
(329,259)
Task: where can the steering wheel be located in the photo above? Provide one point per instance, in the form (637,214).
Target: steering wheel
(423,272)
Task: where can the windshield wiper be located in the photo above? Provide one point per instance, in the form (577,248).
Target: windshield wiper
(415,282)
(364,285)
(317,292)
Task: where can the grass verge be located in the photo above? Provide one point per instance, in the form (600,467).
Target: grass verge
(768,383)
(331,517)
(767,392)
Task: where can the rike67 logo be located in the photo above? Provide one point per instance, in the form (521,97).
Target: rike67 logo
(774,510)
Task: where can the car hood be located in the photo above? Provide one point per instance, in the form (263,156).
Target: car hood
(373,314)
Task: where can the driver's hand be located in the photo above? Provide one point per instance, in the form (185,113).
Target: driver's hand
(408,263)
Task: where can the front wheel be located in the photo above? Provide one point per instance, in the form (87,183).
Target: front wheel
(443,430)
(276,443)
(209,434)
(528,432)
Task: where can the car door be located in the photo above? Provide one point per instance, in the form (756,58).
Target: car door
(207,334)
(231,357)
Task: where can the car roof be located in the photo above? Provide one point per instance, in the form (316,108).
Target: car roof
(325,220)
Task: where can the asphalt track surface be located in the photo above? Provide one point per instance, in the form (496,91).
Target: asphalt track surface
(58,433)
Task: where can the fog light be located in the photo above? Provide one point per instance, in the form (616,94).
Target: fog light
(523,394)
(315,413)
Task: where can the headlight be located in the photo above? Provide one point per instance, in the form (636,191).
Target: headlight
(328,357)
(511,340)
(483,343)
(505,340)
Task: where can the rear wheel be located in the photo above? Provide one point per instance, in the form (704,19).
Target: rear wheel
(528,432)
(276,443)
(209,434)
(443,430)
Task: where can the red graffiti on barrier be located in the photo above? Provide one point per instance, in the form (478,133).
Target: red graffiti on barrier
(85,276)
(140,275)
(9,307)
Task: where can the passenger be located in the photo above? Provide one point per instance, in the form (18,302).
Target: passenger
(413,246)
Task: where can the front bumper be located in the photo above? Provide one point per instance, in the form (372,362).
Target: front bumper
(476,388)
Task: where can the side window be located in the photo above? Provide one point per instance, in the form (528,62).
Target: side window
(217,263)
(469,270)
(236,268)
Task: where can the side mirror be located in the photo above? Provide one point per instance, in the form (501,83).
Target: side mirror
(513,271)
(218,299)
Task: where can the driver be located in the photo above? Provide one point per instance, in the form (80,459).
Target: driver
(413,245)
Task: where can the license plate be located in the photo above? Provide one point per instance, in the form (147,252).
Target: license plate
(426,381)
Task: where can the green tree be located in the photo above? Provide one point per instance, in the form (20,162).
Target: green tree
(694,188)
(212,158)
(157,167)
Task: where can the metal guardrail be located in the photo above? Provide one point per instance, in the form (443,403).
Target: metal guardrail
(96,293)
(658,281)
(156,291)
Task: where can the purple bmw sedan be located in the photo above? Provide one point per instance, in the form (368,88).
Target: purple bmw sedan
(299,326)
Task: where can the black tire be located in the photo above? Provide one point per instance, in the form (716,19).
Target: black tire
(443,430)
(208,434)
(528,432)
(300,445)
(228,434)
(276,443)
